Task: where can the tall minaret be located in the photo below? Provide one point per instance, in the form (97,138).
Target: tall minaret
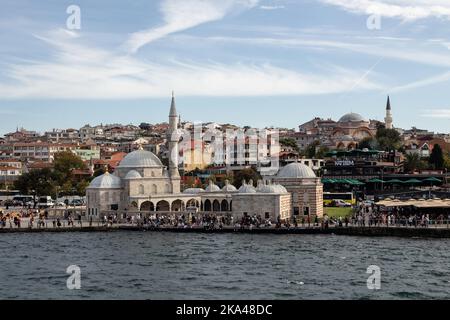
(173,138)
(388,118)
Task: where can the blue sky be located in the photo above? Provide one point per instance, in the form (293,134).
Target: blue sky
(249,62)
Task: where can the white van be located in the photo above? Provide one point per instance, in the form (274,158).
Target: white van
(45,202)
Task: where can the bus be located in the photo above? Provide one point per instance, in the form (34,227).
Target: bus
(348,197)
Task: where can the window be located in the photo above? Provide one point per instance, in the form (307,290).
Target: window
(141,189)
(267,216)
(296,211)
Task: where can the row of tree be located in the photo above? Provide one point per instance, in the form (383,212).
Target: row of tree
(56,180)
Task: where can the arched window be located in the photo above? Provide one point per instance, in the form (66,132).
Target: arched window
(141,189)
(154,189)
(167,188)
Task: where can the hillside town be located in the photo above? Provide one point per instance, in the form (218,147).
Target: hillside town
(323,163)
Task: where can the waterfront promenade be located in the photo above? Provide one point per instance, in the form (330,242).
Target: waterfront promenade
(433,230)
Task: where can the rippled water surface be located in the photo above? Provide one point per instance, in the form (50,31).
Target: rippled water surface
(146,265)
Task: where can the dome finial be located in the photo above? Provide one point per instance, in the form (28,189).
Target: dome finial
(106,169)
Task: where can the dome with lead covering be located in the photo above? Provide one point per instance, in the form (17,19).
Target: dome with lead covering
(270,188)
(296,170)
(212,187)
(228,187)
(193,190)
(247,187)
(140,159)
(133,174)
(352,117)
(106,181)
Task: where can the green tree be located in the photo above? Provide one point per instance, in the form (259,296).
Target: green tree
(413,163)
(37,182)
(310,151)
(388,139)
(368,143)
(447,161)
(247,175)
(437,158)
(289,142)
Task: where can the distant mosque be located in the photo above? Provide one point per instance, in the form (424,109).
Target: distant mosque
(142,185)
(345,133)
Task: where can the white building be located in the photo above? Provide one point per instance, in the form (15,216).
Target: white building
(142,185)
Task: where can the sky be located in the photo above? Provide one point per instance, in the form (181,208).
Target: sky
(248,62)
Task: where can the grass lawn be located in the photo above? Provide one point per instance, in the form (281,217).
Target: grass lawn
(337,212)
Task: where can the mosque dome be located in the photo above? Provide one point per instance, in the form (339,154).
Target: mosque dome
(106,181)
(193,190)
(270,188)
(212,187)
(133,174)
(140,159)
(352,117)
(228,187)
(296,170)
(247,188)
(346,138)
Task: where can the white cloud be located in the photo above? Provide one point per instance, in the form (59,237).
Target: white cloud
(271,7)
(423,83)
(402,9)
(413,52)
(180,15)
(437,113)
(84,72)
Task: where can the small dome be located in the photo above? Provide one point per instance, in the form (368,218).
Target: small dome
(352,117)
(270,188)
(106,181)
(193,190)
(247,188)
(346,138)
(228,187)
(212,187)
(296,170)
(133,174)
(140,159)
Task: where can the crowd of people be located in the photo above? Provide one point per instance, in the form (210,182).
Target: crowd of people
(364,215)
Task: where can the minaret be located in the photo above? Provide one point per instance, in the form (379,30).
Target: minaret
(388,118)
(173,138)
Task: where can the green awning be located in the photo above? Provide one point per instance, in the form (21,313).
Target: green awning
(376,180)
(412,181)
(394,181)
(432,179)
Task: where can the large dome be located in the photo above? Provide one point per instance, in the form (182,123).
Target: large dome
(352,117)
(296,170)
(140,159)
(106,181)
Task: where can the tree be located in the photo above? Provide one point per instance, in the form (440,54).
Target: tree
(388,139)
(413,163)
(310,151)
(65,162)
(37,182)
(289,142)
(447,161)
(321,152)
(437,158)
(368,143)
(247,175)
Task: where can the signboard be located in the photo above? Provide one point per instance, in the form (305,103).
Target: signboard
(344,163)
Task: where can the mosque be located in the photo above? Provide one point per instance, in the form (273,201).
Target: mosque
(141,184)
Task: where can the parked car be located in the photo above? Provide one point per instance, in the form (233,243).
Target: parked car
(45,202)
(76,203)
(340,203)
